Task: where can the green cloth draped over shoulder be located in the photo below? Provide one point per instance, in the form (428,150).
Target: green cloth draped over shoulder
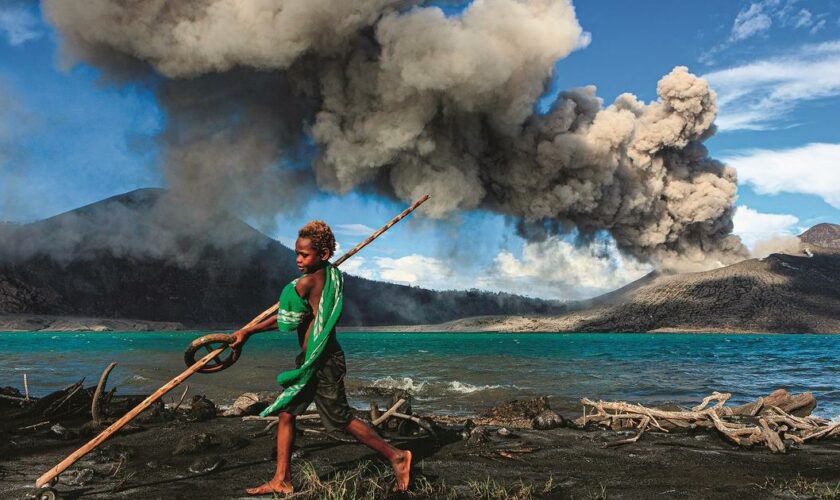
(292,310)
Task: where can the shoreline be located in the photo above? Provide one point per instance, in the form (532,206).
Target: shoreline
(21,323)
(218,457)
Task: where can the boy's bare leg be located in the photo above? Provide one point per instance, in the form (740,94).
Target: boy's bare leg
(282,480)
(400,460)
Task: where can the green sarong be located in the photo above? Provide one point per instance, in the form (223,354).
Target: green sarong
(292,310)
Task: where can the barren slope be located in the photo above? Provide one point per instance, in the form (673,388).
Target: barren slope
(781,293)
(145,256)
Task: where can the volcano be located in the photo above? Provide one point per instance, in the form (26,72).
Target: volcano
(145,255)
(796,292)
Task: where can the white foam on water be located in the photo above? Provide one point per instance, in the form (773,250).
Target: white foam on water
(465,388)
(405,383)
(138,378)
(424,386)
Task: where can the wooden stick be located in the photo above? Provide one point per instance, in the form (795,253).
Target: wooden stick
(388,413)
(76,388)
(381,230)
(418,421)
(26,386)
(113,428)
(720,397)
(34,426)
(642,428)
(181,400)
(771,437)
(95,413)
(273,309)
(299,418)
(13,398)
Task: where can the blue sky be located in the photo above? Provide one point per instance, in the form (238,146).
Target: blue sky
(68,139)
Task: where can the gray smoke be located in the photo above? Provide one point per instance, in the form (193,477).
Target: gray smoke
(403,100)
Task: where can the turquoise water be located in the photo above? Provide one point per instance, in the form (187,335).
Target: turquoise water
(458,373)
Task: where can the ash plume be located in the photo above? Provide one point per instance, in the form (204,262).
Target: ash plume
(400,98)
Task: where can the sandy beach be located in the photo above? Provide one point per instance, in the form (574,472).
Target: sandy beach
(181,457)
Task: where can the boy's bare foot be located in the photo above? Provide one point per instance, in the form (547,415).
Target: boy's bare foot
(402,469)
(270,487)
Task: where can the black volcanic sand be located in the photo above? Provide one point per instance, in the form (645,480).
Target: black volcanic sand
(659,465)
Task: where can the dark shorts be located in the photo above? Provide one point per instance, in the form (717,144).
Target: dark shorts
(326,389)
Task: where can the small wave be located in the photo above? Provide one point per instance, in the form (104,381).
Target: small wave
(138,378)
(404,383)
(428,387)
(465,388)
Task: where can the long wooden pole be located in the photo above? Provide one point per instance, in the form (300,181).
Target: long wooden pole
(273,309)
(113,428)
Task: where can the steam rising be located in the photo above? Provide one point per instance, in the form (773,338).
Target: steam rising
(402,99)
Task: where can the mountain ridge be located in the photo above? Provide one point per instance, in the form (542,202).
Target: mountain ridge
(781,293)
(144,255)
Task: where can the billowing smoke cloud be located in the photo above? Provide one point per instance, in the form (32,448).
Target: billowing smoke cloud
(401,99)
(780,244)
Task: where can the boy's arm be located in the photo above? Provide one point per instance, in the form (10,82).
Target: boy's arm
(240,336)
(303,288)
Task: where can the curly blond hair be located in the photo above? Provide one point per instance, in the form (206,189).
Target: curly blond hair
(320,235)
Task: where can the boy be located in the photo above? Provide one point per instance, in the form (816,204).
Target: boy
(312,305)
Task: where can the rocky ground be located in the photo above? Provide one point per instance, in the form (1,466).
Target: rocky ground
(195,454)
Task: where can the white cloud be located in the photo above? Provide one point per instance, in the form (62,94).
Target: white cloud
(552,269)
(810,169)
(817,27)
(356,267)
(750,22)
(758,18)
(754,226)
(353,229)
(803,19)
(557,269)
(413,269)
(759,95)
(18,24)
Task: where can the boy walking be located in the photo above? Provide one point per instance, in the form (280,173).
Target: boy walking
(311,305)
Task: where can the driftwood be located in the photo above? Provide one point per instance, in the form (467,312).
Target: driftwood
(181,399)
(13,398)
(63,401)
(424,424)
(391,411)
(770,420)
(308,416)
(95,406)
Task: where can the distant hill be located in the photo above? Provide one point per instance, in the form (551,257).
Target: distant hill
(824,235)
(145,255)
(780,293)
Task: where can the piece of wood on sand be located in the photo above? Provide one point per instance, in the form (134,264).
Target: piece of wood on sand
(95,405)
(122,421)
(768,421)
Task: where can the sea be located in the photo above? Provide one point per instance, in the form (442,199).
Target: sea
(455,373)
